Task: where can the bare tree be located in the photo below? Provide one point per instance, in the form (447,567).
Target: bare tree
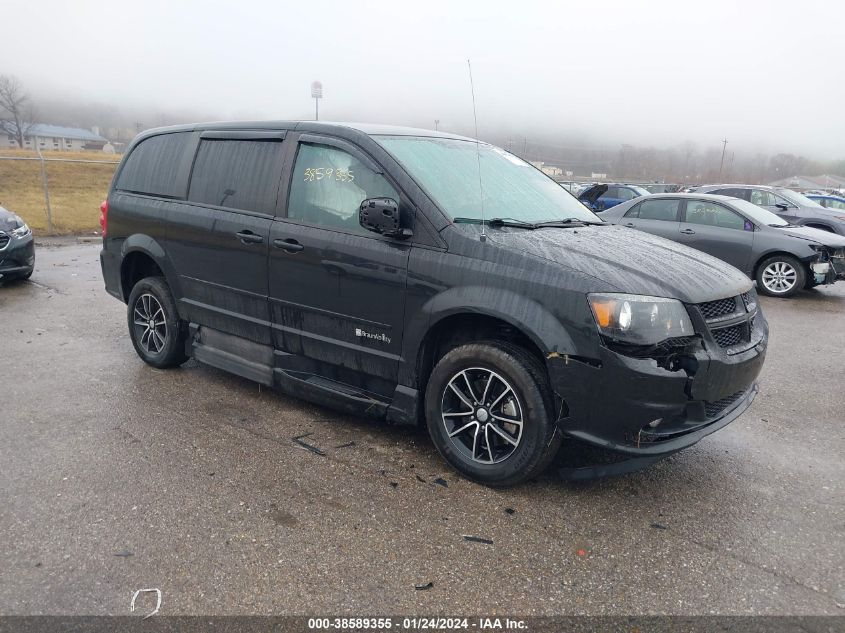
(16,111)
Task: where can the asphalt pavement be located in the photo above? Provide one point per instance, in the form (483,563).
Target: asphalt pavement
(115,476)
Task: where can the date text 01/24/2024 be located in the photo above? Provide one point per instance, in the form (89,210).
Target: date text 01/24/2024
(416,623)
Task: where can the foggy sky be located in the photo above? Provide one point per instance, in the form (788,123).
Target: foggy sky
(768,76)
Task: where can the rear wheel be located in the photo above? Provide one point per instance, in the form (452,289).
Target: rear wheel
(780,276)
(488,412)
(157,332)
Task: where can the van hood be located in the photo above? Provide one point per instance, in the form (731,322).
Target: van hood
(631,261)
(825,238)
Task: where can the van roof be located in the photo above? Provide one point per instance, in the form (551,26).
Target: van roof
(370,129)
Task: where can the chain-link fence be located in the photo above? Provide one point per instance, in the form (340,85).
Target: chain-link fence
(56,193)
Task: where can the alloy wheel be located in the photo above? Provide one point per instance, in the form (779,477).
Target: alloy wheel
(150,324)
(779,277)
(482,415)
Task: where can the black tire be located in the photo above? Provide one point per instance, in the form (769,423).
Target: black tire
(794,279)
(537,442)
(164,345)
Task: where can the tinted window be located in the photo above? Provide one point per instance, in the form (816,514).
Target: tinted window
(329,186)
(153,166)
(762,198)
(732,192)
(237,174)
(834,204)
(659,210)
(709,213)
(612,192)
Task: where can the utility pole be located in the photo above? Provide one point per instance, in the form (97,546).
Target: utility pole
(436,123)
(724,146)
(524,146)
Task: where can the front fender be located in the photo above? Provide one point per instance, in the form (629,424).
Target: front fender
(525,314)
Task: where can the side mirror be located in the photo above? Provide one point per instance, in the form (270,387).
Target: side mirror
(381,215)
(782,206)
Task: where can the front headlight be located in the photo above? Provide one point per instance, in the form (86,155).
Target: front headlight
(638,319)
(22,230)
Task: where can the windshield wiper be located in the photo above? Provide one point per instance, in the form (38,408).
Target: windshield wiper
(567,223)
(498,222)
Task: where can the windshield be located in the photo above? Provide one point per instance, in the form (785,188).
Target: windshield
(640,190)
(758,215)
(797,198)
(447,169)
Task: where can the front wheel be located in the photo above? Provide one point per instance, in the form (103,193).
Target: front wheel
(157,332)
(488,413)
(780,276)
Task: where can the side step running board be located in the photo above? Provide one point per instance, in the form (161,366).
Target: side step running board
(233,363)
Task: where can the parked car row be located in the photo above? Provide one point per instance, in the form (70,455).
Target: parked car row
(781,256)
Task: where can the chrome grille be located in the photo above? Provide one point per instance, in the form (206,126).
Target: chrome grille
(715,309)
(713,409)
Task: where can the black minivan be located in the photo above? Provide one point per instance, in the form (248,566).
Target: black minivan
(423,277)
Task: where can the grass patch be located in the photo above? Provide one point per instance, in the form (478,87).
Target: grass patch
(76,190)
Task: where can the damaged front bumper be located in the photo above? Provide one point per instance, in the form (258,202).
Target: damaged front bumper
(648,408)
(828,266)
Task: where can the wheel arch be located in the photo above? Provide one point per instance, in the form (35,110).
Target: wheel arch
(463,315)
(141,256)
(767,255)
(822,226)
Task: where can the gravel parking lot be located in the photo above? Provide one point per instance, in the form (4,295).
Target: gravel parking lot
(115,477)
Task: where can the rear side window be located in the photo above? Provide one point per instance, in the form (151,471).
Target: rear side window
(658,210)
(732,192)
(237,174)
(612,192)
(153,166)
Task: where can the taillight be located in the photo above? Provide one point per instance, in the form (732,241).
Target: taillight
(104,216)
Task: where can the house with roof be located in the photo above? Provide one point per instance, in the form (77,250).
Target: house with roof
(56,138)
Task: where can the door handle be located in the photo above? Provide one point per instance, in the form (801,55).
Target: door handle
(687,231)
(291,246)
(630,224)
(248,237)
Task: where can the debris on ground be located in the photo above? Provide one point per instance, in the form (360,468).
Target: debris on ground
(125,554)
(420,479)
(424,587)
(509,511)
(441,482)
(659,526)
(393,484)
(158,601)
(478,539)
(307,446)
(347,445)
